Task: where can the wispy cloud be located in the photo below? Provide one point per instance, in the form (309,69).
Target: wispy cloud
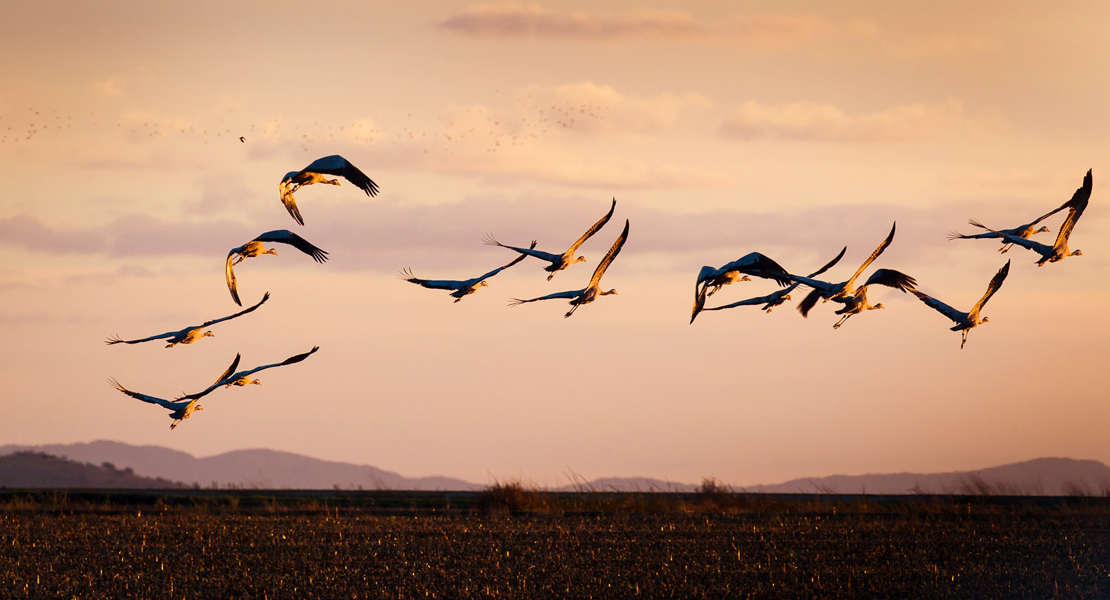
(531,20)
(808,121)
(384,236)
(108,88)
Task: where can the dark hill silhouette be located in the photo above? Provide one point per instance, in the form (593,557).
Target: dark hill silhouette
(263,469)
(38,470)
(1037,477)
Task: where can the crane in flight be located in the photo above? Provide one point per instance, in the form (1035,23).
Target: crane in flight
(180,409)
(230,377)
(771,300)
(460,288)
(255,247)
(592,291)
(316,173)
(966,321)
(558,261)
(188,335)
(1026,231)
(1059,250)
(711,280)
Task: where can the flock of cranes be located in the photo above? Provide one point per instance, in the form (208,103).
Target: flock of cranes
(710,280)
(185,405)
(852,296)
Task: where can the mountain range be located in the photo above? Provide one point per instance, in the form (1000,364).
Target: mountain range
(271,469)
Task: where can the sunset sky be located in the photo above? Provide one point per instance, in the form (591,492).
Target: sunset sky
(788,128)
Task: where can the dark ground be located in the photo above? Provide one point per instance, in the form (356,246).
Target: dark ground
(514,543)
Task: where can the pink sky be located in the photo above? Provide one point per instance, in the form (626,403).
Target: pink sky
(791,129)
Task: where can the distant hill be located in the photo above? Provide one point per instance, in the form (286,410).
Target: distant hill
(38,470)
(1038,477)
(264,469)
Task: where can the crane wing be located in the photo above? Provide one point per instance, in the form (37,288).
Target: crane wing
(570,295)
(958,316)
(1077,204)
(434,284)
(290,203)
(116,339)
(753,263)
(240,313)
(150,399)
(889,238)
(830,264)
(609,256)
(1037,247)
(891,278)
(489,240)
(501,268)
(337,165)
(754,301)
(284,236)
(291,360)
(593,229)
(992,287)
(230,370)
(809,302)
(219,381)
(229,275)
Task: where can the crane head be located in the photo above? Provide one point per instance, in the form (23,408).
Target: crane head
(1076,253)
(610,292)
(580,259)
(483,284)
(1043,230)
(208,334)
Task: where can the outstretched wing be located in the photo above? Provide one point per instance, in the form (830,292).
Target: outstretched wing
(889,238)
(435,284)
(489,240)
(150,399)
(992,287)
(609,256)
(1077,204)
(337,165)
(501,268)
(592,230)
(568,295)
(942,308)
(240,313)
(117,340)
(219,381)
(891,278)
(230,370)
(755,301)
(990,234)
(292,359)
(229,275)
(830,264)
(284,236)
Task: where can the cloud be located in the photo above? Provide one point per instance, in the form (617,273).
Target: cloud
(108,88)
(384,236)
(531,20)
(808,121)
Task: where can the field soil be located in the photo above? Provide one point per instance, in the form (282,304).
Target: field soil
(251,545)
